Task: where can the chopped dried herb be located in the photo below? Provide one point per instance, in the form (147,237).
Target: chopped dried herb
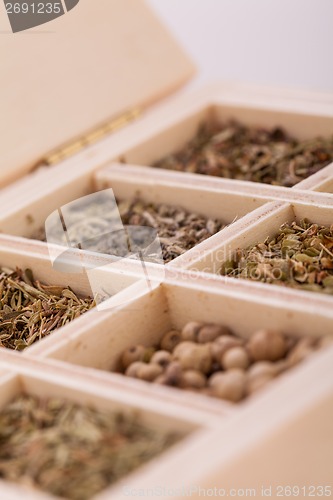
(237,151)
(30,310)
(72,451)
(178,230)
(298,256)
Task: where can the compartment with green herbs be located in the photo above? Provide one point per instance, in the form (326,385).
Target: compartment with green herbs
(37,300)
(297,253)
(255,144)
(86,439)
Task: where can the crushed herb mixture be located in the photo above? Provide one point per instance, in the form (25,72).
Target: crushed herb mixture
(30,310)
(236,151)
(72,451)
(300,256)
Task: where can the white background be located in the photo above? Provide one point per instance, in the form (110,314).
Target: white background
(278,42)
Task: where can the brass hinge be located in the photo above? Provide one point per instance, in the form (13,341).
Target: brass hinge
(99,133)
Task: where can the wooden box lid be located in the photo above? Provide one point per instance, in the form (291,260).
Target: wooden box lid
(64,78)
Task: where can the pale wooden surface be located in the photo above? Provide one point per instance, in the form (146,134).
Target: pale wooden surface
(77,360)
(64,78)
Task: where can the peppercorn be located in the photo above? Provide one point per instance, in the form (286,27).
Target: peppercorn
(162,358)
(236,357)
(149,372)
(173,373)
(222,344)
(193,379)
(170,340)
(133,369)
(267,345)
(262,368)
(209,333)
(132,354)
(228,385)
(191,330)
(192,356)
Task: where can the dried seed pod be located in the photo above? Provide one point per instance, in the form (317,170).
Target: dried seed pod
(302,350)
(133,369)
(255,383)
(170,340)
(191,330)
(192,356)
(162,358)
(209,333)
(267,345)
(222,344)
(132,354)
(149,372)
(236,357)
(229,385)
(193,379)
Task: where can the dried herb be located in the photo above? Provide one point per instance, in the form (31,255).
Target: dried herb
(212,360)
(30,310)
(298,256)
(72,451)
(236,151)
(177,229)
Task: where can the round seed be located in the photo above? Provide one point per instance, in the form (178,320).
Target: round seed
(209,333)
(173,373)
(262,369)
(229,385)
(132,354)
(170,340)
(222,344)
(149,372)
(190,331)
(193,379)
(162,358)
(236,357)
(192,356)
(133,369)
(267,345)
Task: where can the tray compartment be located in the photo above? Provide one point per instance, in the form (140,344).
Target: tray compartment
(79,279)
(170,306)
(41,380)
(210,201)
(265,223)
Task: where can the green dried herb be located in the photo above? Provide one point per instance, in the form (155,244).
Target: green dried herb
(30,310)
(72,451)
(177,229)
(236,151)
(298,256)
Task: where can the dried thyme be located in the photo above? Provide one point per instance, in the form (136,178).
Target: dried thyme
(237,151)
(298,256)
(72,451)
(30,310)
(178,230)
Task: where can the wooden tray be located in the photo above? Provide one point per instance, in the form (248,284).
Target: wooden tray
(79,359)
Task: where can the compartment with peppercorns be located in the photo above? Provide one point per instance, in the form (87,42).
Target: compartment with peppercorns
(203,339)
(211,359)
